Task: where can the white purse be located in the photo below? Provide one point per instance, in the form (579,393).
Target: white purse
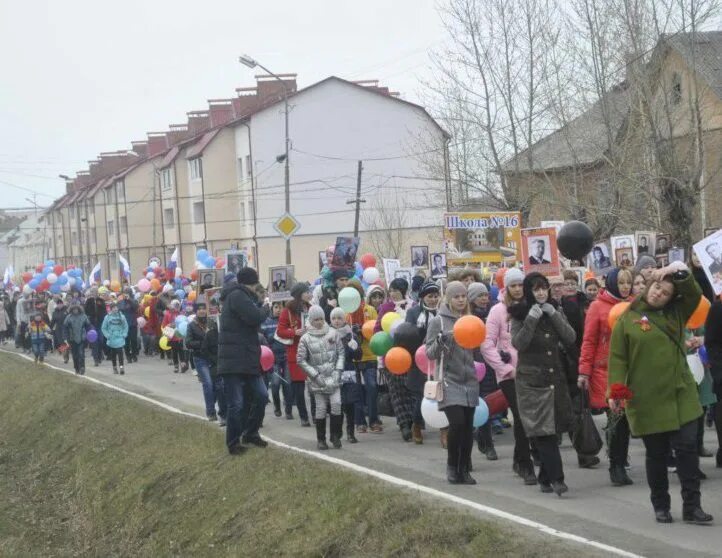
(434,389)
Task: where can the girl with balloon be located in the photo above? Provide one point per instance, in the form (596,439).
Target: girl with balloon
(175,341)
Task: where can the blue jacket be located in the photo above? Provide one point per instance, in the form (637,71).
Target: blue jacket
(268,328)
(115,330)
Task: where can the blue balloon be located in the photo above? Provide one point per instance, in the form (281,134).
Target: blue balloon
(34,283)
(494,293)
(359,270)
(180,319)
(481,414)
(210,262)
(47,269)
(317,281)
(703,356)
(182,328)
(62,279)
(38,276)
(50,263)
(202,255)
(55,288)
(181,294)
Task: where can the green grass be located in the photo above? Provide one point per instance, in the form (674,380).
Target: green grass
(88,471)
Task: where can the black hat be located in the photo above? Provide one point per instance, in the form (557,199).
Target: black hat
(247,276)
(400,284)
(428,288)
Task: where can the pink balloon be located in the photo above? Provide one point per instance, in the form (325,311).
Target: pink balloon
(144,285)
(480,368)
(422,361)
(267,358)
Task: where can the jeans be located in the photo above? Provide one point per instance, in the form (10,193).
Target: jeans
(203,368)
(684,444)
(461,436)
(219,394)
(551,469)
(280,382)
(522,454)
(371,393)
(299,397)
(242,394)
(38,346)
(131,343)
(97,347)
(77,350)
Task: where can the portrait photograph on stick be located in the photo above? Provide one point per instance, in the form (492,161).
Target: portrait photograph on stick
(280,280)
(539,250)
(420,256)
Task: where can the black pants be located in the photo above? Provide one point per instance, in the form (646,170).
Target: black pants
(522,454)
(349,409)
(551,469)
(131,343)
(684,444)
(486,439)
(116,356)
(461,436)
(77,350)
(617,440)
(177,352)
(299,397)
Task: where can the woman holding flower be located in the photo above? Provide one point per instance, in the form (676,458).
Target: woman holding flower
(651,382)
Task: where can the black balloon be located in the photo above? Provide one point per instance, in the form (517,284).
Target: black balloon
(575,240)
(407,335)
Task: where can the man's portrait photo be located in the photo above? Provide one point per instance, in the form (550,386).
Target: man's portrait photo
(539,250)
(344,255)
(209,279)
(709,253)
(438,265)
(280,281)
(714,251)
(235,261)
(645,242)
(663,246)
(420,256)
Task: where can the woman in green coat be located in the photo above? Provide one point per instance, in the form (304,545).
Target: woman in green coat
(647,355)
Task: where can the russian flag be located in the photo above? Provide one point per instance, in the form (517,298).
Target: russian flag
(95,278)
(124,267)
(6,278)
(173,263)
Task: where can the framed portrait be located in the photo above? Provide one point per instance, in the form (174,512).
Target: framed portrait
(539,251)
(344,254)
(438,265)
(599,261)
(420,256)
(645,241)
(322,260)
(624,257)
(556,224)
(709,253)
(236,260)
(623,241)
(390,267)
(579,271)
(662,245)
(662,260)
(406,273)
(676,255)
(280,280)
(212,299)
(209,279)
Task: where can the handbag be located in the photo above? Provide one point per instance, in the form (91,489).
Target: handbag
(585,437)
(434,389)
(281,340)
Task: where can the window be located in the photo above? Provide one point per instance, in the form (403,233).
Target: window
(198,212)
(123,225)
(111,228)
(196,168)
(243,211)
(120,191)
(108,197)
(166,179)
(240,168)
(169,217)
(249,167)
(676,88)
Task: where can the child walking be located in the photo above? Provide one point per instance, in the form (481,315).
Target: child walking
(39,333)
(351,389)
(279,378)
(115,331)
(321,356)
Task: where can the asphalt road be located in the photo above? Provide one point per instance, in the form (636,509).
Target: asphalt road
(621,517)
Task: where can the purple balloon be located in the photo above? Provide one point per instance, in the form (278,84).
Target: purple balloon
(91,336)
(480,368)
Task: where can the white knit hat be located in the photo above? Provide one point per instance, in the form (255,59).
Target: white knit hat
(315,312)
(513,275)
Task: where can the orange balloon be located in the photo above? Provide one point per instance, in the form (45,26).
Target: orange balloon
(469,332)
(699,317)
(155,285)
(192,296)
(194,275)
(616,311)
(398,360)
(368,329)
(499,277)
(115,286)
(589,275)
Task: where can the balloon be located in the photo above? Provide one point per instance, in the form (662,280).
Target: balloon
(397,361)
(27,289)
(146,312)
(164,344)
(34,283)
(71,281)
(469,332)
(51,278)
(27,276)
(143,285)
(47,270)
(371,274)
(182,328)
(154,285)
(358,270)
(388,319)
(44,285)
(65,288)
(394,327)
(368,329)
(178,272)
(496,402)
(192,296)
(366,261)
(702,352)
(699,316)
(480,368)
(616,311)
(55,288)
(494,293)
(202,255)
(405,335)
(432,416)
(106,283)
(167,287)
(153,265)
(141,321)
(58,269)
(422,361)
(91,336)
(62,279)
(481,414)
(575,240)
(194,275)
(349,299)
(181,294)
(115,286)
(499,278)
(49,263)
(150,276)
(380,343)
(180,318)
(267,358)
(696,367)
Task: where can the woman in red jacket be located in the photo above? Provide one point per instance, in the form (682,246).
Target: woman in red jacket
(593,368)
(291,326)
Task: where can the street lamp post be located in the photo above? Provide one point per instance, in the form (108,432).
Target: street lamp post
(251,63)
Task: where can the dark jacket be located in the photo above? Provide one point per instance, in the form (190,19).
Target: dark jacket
(420,317)
(56,324)
(76,326)
(713,341)
(209,347)
(239,350)
(268,328)
(129,308)
(194,337)
(95,310)
(329,293)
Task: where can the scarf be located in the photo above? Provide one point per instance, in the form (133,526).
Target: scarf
(423,320)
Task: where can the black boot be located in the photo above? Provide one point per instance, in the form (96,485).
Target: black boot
(697,516)
(321,434)
(452,475)
(619,477)
(464,476)
(351,434)
(336,430)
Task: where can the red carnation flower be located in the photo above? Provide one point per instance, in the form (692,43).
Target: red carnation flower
(620,392)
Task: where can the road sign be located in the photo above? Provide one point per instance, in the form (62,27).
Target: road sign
(287,226)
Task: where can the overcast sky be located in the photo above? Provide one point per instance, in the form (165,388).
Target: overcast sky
(81,77)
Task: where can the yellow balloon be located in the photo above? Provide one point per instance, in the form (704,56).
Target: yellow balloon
(147,312)
(163,342)
(388,320)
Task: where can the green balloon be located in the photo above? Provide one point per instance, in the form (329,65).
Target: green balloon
(381,343)
(349,300)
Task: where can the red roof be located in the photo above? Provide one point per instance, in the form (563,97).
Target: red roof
(198,148)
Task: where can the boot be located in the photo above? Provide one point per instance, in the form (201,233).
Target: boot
(336,430)
(416,434)
(321,433)
(718,458)
(350,434)
(697,516)
(406,433)
(452,475)
(444,437)
(115,369)
(465,477)
(618,476)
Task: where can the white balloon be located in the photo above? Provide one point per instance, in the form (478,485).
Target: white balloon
(52,278)
(65,288)
(106,283)
(27,289)
(153,265)
(150,276)
(432,416)
(71,281)
(178,272)
(167,287)
(371,275)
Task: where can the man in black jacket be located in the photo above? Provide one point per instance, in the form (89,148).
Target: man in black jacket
(239,359)
(95,310)
(129,308)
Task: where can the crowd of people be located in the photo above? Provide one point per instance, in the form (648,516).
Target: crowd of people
(549,348)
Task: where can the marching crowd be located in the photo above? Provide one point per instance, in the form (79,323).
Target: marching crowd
(549,349)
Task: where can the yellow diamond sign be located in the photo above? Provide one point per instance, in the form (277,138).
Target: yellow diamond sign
(287,226)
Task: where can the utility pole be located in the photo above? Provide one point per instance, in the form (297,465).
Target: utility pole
(358,201)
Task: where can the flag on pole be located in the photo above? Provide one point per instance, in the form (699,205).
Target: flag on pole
(95,278)
(173,263)
(124,267)
(6,278)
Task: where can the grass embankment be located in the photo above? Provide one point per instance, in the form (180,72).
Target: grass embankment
(87,471)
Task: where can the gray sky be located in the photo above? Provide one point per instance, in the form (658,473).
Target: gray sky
(81,77)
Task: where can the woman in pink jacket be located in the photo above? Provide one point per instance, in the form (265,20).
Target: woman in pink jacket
(499,353)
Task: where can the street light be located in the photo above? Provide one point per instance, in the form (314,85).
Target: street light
(252,63)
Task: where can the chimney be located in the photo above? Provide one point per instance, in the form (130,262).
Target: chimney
(113,161)
(94,169)
(246,102)
(140,147)
(177,133)
(198,121)
(82,179)
(157,143)
(270,90)
(221,111)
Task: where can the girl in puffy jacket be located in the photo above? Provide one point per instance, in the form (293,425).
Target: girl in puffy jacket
(115,331)
(593,366)
(321,356)
(351,389)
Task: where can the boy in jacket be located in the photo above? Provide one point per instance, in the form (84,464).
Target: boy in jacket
(39,333)
(75,328)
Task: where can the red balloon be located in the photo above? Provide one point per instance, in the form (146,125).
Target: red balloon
(499,277)
(43,286)
(367,260)
(27,276)
(39,269)
(267,358)
(71,266)
(58,269)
